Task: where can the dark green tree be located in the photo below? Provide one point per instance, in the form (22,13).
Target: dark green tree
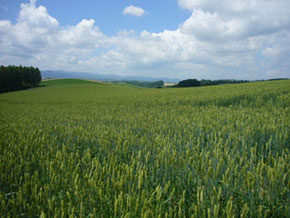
(188,83)
(14,78)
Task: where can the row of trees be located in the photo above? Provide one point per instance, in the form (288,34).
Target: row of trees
(188,83)
(221,81)
(145,84)
(14,78)
(155,84)
(195,82)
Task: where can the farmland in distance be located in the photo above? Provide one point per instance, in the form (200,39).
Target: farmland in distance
(86,149)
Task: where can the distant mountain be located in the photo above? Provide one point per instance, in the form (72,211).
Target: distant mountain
(60,74)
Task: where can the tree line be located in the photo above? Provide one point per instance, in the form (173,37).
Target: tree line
(14,78)
(145,84)
(195,82)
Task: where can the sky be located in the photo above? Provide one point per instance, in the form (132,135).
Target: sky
(203,39)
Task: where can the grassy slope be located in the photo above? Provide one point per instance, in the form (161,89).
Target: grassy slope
(113,150)
(60,82)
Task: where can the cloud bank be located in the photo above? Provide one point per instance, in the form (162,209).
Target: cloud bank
(221,39)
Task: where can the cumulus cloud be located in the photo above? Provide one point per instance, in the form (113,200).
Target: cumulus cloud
(36,17)
(38,39)
(221,39)
(134,11)
(83,35)
(236,18)
(211,26)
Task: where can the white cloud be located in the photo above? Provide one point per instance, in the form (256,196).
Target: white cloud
(37,39)
(36,17)
(217,41)
(270,51)
(134,11)
(83,35)
(208,26)
(224,19)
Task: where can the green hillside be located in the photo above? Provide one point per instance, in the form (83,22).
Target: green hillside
(58,82)
(88,149)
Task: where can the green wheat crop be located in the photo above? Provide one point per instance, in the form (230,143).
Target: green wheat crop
(107,150)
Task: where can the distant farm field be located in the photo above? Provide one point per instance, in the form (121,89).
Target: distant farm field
(86,149)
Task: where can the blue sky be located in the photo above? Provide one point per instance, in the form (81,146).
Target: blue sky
(214,39)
